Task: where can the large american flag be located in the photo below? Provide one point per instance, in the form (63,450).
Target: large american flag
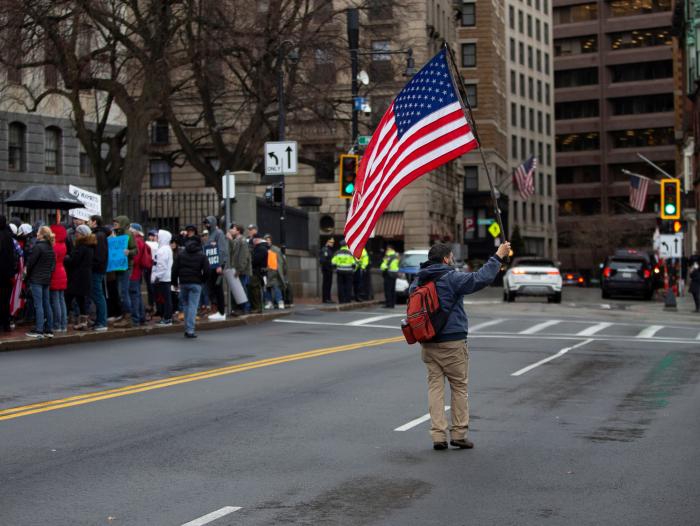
(423,128)
(638,192)
(525,178)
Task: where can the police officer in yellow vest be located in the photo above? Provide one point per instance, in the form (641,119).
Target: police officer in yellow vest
(390,270)
(362,268)
(344,263)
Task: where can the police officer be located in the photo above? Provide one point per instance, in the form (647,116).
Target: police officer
(390,270)
(344,263)
(362,269)
(325,258)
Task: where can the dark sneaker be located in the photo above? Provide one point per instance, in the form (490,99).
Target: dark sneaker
(34,334)
(190,335)
(439,446)
(165,323)
(48,334)
(462,443)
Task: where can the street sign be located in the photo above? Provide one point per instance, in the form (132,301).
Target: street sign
(670,246)
(359,103)
(363,140)
(281,158)
(228,186)
(485,222)
(469,224)
(495,230)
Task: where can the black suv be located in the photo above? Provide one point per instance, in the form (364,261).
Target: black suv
(628,272)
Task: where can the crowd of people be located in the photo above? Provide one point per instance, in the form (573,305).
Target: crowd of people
(88,274)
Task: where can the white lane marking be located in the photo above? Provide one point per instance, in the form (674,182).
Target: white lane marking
(365,321)
(649,331)
(590,331)
(549,358)
(210,517)
(698,336)
(336,324)
(605,306)
(539,327)
(485,324)
(417,421)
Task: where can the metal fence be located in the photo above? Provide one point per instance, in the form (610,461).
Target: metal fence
(296,224)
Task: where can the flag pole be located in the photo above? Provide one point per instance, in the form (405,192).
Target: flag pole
(466,107)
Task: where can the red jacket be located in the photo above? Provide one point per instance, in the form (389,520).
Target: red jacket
(141,255)
(59,278)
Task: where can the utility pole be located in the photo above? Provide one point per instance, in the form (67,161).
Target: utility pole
(281,125)
(353,22)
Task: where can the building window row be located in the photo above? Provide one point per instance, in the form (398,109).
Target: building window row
(545,159)
(642,138)
(575,46)
(641,38)
(575,142)
(576,110)
(638,7)
(571,78)
(575,13)
(17,148)
(529,90)
(659,103)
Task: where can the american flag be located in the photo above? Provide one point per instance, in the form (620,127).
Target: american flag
(423,128)
(638,192)
(525,178)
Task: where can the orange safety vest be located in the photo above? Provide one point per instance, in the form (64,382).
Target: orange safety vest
(271,260)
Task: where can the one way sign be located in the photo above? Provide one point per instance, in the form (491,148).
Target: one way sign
(280,158)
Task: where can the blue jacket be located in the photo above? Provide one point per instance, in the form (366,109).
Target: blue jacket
(451,288)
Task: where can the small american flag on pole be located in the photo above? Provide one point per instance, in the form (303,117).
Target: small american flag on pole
(525,178)
(424,128)
(638,192)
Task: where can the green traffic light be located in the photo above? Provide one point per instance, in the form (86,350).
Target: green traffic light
(670,209)
(349,188)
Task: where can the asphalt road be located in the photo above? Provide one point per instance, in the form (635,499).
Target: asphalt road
(582,413)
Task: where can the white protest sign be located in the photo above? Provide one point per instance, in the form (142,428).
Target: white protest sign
(91,200)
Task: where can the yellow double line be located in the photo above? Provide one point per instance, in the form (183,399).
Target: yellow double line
(52,405)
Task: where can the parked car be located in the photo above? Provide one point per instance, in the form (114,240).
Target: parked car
(572,278)
(532,276)
(629,272)
(409,265)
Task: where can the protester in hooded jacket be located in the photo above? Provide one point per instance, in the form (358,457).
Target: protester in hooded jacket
(8,268)
(190,271)
(142,261)
(79,267)
(59,280)
(99,267)
(121,226)
(215,283)
(161,276)
(257,280)
(40,265)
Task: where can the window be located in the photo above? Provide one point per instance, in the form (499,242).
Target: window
(16,159)
(380,49)
(549,155)
(660,69)
(579,207)
(520,21)
(50,71)
(522,85)
(615,170)
(381,69)
(546,6)
(530,88)
(521,53)
(512,50)
(529,25)
(533,217)
(532,147)
(471,178)
(549,193)
(513,114)
(546,94)
(548,119)
(641,138)
(641,38)
(532,119)
(549,212)
(323,71)
(575,13)
(161,174)
(516,205)
(576,110)
(468,55)
(468,14)
(160,132)
(322,158)
(546,33)
(538,57)
(540,128)
(85,164)
(575,46)
(541,213)
(540,152)
(638,7)
(539,91)
(576,142)
(514,146)
(523,121)
(571,78)
(380,9)
(530,61)
(52,150)
(546,63)
(511,17)
(643,104)
(524,212)
(537,4)
(538,30)
(523,147)
(513,82)
(471,95)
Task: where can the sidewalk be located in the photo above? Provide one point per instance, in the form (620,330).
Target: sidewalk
(18,340)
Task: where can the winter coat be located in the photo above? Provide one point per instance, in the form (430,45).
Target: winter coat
(8,256)
(191,266)
(41,263)
(260,259)
(695,281)
(99,260)
(277,278)
(163,264)
(79,265)
(124,224)
(143,253)
(239,256)
(325,258)
(451,288)
(216,235)
(59,278)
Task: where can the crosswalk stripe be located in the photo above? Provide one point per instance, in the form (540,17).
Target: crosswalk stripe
(485,324)
(650,331)
(590,331)
(539,327)
(698,336)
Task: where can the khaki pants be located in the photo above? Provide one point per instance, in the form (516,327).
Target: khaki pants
(451,360)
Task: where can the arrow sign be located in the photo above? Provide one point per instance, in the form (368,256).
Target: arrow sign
(281,158)
(670,246)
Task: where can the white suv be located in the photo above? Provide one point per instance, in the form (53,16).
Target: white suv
(532,277)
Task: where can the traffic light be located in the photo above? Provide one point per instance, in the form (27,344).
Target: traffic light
(677,227)
(670,199)
(348,174)
(273,194)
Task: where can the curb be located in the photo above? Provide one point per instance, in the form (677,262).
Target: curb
(117,334)
(349,306)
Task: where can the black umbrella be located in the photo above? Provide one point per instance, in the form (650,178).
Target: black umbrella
(44,198)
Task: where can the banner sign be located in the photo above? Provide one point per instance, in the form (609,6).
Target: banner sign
(116,259)
(91,200)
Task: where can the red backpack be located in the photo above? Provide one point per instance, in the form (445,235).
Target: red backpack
(424,316)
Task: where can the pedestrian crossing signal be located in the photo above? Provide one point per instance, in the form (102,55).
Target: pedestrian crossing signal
(670,199)
(348,174)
